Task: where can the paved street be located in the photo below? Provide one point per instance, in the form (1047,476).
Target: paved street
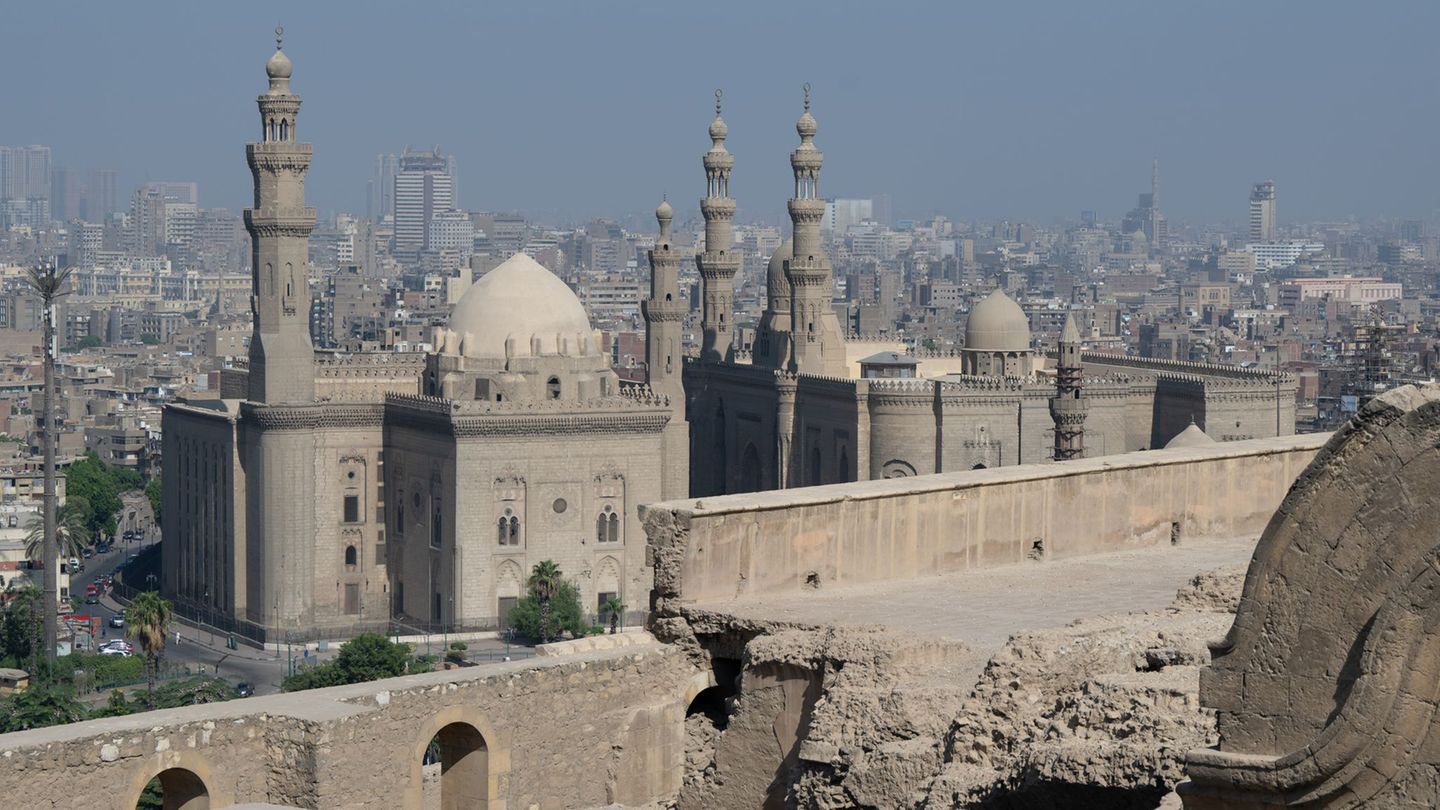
(199,648)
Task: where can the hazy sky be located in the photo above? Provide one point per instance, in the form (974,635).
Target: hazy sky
(1020,110)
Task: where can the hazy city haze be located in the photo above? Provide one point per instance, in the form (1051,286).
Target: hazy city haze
(1021,110)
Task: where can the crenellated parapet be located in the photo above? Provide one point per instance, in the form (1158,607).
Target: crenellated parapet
(471,418)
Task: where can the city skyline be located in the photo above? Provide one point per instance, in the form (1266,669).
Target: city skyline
(943,116)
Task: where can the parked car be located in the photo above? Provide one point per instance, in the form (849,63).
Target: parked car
(92,589)
(118,644)
(114,651)
(129,535)
(92,598)
(244,689)
(117,621)
(87,552)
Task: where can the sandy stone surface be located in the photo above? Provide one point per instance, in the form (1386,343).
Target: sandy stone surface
(984,608)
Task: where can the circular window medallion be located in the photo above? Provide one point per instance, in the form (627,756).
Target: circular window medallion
(559,506)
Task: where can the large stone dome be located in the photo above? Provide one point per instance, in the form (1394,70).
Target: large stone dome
(997,324)
(1191,436)
(523,300)
(776,283)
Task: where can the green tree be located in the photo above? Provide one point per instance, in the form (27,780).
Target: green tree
(545,581)
(564,615)
(41,705)
(152,491)
(88,342)
(367,657)
(149,618)
(71,532)
(100,485)
(192,692)
(20,626)
(115,706)
(615,609)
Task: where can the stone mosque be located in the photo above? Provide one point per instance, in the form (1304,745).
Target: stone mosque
(327,492)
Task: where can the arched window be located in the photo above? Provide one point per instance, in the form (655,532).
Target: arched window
(842,466)
(815,466)
(284,129)
(600,525)
(509,528)
(350,557)
(614,536)
(552,388)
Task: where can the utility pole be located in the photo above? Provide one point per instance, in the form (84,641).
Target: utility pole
(48,282)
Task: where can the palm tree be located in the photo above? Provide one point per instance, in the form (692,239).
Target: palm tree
(545,581)
(71,532)
(616,609)
(149,618)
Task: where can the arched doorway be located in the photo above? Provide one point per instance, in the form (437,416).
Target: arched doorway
(174,789)
(750,470)
(456,766)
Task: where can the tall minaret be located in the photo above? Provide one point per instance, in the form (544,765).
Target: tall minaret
(664,314)
(1069,405)
(816,342)
(281,355)
(719,261)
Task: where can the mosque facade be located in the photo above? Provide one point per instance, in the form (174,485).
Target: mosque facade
(806,408)
(325,493)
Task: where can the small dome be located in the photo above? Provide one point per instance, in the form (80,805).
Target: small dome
(664,211)
(718,130)
(519,299)
(278,66)
(1191,436)
(997,324)
(776,283)
(806,126)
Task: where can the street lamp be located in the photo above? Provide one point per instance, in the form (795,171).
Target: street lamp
(150,580)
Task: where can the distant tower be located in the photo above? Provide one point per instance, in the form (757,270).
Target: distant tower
(664,315)
(1156,229)
(1262,212)
(816,342)
(719,262)
(1069,405)
(281,355)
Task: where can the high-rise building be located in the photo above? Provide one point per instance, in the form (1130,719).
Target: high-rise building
(184,191)
(65,194)
(1262,212)
(99,198)
(380,191)
(145,230)
(424,187)
(24,172)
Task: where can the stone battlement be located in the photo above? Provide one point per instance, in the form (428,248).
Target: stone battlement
(787,540)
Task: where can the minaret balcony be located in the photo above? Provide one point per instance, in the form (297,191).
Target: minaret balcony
(660,311)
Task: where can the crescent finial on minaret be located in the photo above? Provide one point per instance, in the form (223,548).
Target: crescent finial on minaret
(279,35)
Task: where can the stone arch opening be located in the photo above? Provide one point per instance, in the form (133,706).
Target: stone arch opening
(456,766)
(174,789)
(750,470)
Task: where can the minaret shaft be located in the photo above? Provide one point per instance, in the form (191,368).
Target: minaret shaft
(281,355)
(719,262)
(816,342)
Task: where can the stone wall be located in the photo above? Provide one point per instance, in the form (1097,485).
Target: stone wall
(772,542)
(579,731)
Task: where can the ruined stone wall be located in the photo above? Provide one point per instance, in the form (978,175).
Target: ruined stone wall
(582,731)
(772,542)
